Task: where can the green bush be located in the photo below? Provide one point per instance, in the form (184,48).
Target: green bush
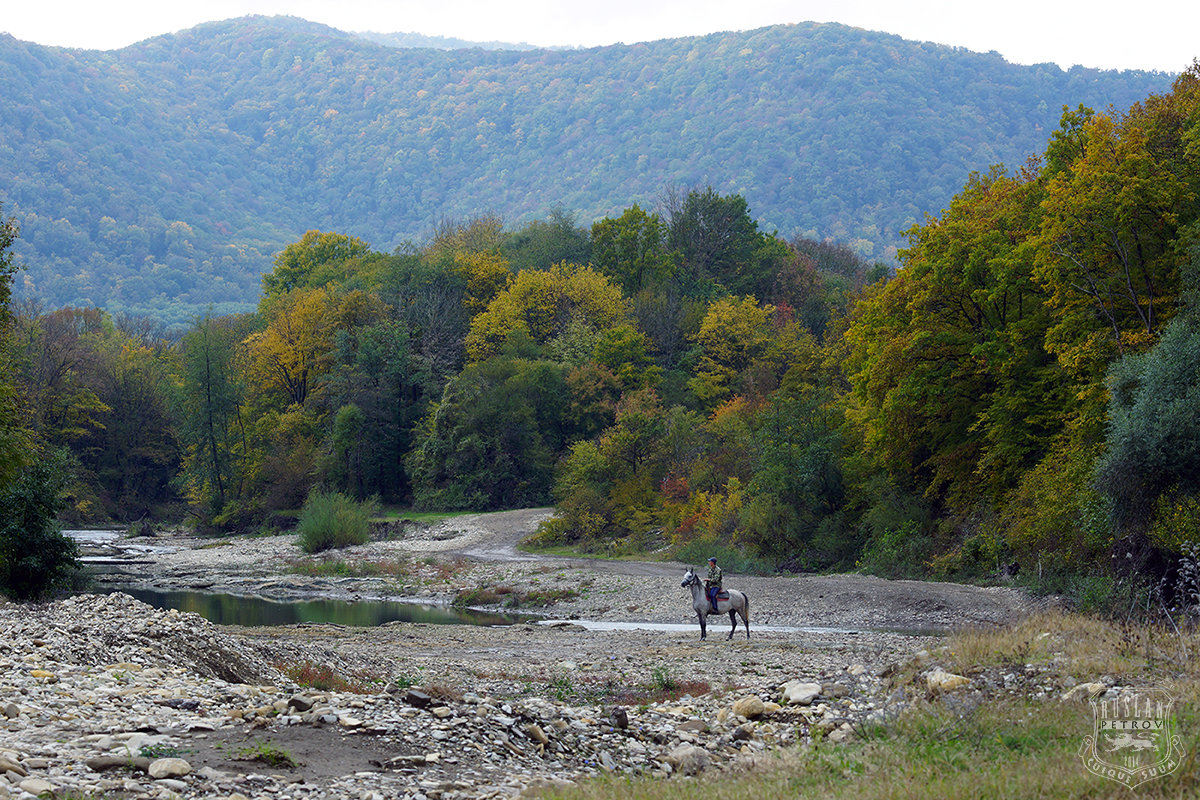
(731,559)
(35,557)
(901,552)
(330,520)
(1153,437)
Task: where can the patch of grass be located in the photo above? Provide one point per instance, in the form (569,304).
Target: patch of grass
(508,597)
(445,569)
(323,678)
(562,688)
(1012,750)
(422,517)
(405,681)
(661,688)
(142,527)
(662,680)
(211,545)
(668,692)
(269,754)
(540,598)
(1082,646)
(483,596)
(443,692)
(162,751)
(340,568)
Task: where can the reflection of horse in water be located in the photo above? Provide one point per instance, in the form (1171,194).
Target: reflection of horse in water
(1121,741)
(736,604)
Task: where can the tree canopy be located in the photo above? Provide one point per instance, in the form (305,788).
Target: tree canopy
(1018,395)
(166,177)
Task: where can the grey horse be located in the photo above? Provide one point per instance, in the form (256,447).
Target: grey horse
(737,603)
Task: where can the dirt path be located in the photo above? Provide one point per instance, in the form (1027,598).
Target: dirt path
(847,601)
(501,532)
(480,552)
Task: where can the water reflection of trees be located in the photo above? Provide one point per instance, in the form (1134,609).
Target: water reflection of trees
(227,609)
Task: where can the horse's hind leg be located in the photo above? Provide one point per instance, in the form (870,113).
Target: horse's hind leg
(733,619)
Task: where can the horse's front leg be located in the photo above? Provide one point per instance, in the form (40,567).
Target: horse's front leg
(703,625)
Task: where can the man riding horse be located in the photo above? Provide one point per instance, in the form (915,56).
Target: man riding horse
(712,583)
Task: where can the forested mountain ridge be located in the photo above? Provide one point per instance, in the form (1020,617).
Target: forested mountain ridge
(405,40)
(163,177)
(1017,399)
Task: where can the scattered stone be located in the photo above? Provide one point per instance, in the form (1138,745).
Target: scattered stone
(620,719)
(749,707)
(842,733)
(834,689)
(688,759)
(102,763)
(8,765)
(536,734)
(941,681)
(417,698)
(168,768)
(299,702)
(800,693)
(37,787)
(1084,691)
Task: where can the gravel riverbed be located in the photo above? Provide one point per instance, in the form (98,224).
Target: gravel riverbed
(106,695)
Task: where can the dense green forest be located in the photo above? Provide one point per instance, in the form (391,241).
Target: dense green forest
(1020,396)
(162,178)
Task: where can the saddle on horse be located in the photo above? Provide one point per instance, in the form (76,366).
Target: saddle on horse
(715,594)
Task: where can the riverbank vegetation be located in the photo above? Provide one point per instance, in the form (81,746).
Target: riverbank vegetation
(1020,738)
(1017,400)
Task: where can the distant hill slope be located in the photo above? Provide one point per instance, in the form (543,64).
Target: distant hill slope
(410,40)
(163,177)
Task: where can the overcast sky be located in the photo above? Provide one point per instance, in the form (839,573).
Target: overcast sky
(1151,34)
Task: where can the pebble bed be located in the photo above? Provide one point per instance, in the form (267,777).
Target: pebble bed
(106,697)
(103,697)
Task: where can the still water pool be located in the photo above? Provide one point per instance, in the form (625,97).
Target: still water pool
(227,609)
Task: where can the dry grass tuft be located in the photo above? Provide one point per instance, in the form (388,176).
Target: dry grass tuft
(324,678)
(1084,647)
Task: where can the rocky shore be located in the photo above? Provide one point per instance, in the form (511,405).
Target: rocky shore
(104,696)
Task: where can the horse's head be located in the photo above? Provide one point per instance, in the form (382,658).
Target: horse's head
(689,578)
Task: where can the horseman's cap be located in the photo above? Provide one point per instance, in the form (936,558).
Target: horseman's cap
(713,559)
